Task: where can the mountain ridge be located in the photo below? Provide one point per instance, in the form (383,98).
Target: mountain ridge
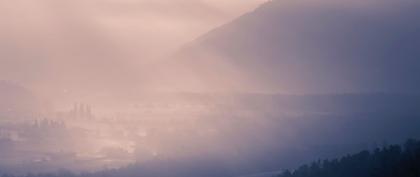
(300,48)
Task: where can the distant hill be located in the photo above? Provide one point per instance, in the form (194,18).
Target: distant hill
(319,46)
(17,102)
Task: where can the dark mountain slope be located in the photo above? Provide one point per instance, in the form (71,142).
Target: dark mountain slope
(319,46)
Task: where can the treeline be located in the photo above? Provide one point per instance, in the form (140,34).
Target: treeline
(389,161)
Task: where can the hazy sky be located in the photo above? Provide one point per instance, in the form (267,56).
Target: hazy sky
(94,42)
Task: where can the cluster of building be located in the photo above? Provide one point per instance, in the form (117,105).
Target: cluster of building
(81,111)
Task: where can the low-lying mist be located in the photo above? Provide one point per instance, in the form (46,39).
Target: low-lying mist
(116,87)
(199,133)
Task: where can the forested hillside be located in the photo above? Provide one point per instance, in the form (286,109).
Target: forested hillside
(389,161)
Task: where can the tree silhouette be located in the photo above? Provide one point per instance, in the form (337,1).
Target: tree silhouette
(389,161)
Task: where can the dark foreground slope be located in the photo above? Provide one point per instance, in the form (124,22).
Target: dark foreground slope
(389,161)
(320,46)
